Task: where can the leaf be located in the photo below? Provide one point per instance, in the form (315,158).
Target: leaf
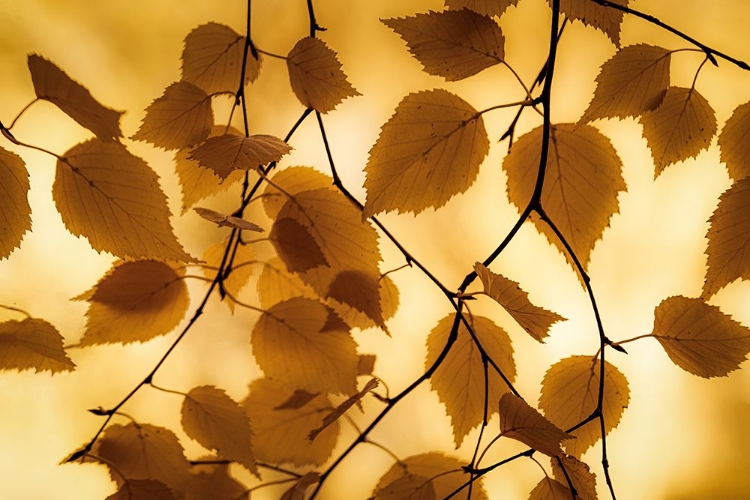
(52,84)
(297,491)
(535,320)
(454,44)
(213,482)
(214,420)
(15,212)
(485,7)
(316,76)
(699,338)
(549,489)
(606,20)
(32,344)
(281,434)
(135,302)
(113,198)
(295,245)
(366,364)
(359,290)
(680,128)
(142,489)
(222,220)
(276,285)
(580,190)
(212,59)
(341,409)
(460,380)
(292,180)
(570,392)
(290,345)
(180,118)
(631,82)
(297,400)
(735,143)
(226,153)
(388,300)
(428,151)
(407,487)
(583,480)
(242,268)
(523,423)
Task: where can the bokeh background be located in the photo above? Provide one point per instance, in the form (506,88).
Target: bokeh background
(681,438)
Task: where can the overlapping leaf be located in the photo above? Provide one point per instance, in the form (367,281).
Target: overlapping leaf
(241,272)
(223,220)
(298,490)
(605,19)
(143,489)
(32,344)
(584,481)
(485,7)
(734,142)
(550,489)
(15,212)
(212,482)
(383,306)
(523,423)
(292,180)
(343,407)
(229,152)
(276,285)
(452,44)
(428,151)
(295,245)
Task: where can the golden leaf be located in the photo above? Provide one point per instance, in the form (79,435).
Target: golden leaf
(523,423)
(359,290)
(292,180)
(226,153)
(606,20)
(484,7)
(734,142)
(142,489)
(223,220)
(366,364)
(32,344)
(407,487)
(584,481)
(549,489)
(295,245)
(15,212)
(297,491)
(212,482)
(242,268)
(342,408)
(276,285)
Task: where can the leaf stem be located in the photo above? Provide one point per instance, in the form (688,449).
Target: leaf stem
(16,309)
(170,391)
(271,54)
(632,339)
(20,113)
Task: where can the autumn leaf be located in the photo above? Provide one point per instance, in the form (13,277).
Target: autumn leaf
(429,151)
(735,143)
(212,59)
(523,423)
(460,381)
(242,268)
(584,481)
(295,245)
(680,128)
(535,320)
(113,198)
(180,118)
(281,433)
(316,76)
(223,220)
(484,7)
(135,302)
(276,285)
(570,391)
(606,20)
(454,44)
(212,482)
(297,491)
(293,180)
(15,212)
(342,408)
(583,179)
(143,489)
(360,291)
(366,364)
(550,489)
(407,487)
(631,82)
(226,153)
(32,344)
(54,85)
(699,338)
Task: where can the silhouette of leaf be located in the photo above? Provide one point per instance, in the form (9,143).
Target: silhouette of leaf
(135,302)
(460,381)
(342,408)
(428,151)
(454,44)
(604,19)
(180,118)
(113,198)
(581,185)
(15,212)
(297,491)
(734,143)
(226,153)
(366,364)
(281,434)
(583,480)
(535,320)
(407,487)
(143,489)
(292,180)
(699,338)
(212,58)
(680,128)
(484,7)
(360,291)
(316,76)
(523,423)
(222,220)
(242,268)
(570,392)
(631,82)
(214,420)
(295,245)
(289,346)
(387,299)
(297,400)
(32,344)
(550,489)
(276,285)
(52,84)
(212,482)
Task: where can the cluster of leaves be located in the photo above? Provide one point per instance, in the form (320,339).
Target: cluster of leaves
(326,278)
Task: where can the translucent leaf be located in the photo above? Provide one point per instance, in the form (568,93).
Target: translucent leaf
(581,185)
(485,7)
(407,487)
(535,320)
(360,291)
(366,364)
(32,344)
(292,180)
(281,434)
(213,482)
(223,220)
(316,76)
(584,481)
(15,212)
(549,489)
(342,408)
(680,128)
(452,44)
(523,423)
(297,400)
(605,19)
(631,82)
(290,345)
(276,285)
(295,245)
(214,420)
(212,59)
(143,489)
(54,85)
(428,151)
(135,302)
(699,338)
(570,391)
(242,268)
(734,142)
(297,491)
(388,300)
(226,153)
(113,199)
(459,381)
(180,118)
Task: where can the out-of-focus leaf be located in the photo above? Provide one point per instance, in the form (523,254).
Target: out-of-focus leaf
(523,423)
(32,344)
(15,212)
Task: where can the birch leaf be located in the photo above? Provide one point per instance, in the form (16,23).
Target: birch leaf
(292,180)
(298,490)
(213,482)
(407,487)
(342,408)
(276,285)
(360,291)
(385,307)
(734,142)
(242,269)
(143,489)
(223,220)
(584,481)
(32,344)
(295,245)
(606,20)
(550,489)
(484,7)
(523,423)
(226,153)
(15,212)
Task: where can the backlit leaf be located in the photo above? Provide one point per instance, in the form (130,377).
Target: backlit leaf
(360,291)
(407,487)
(631,82)
(734,142)
(297,400)
(549,489)
(366,364)
(454,44)
(223,220)
(276,285)
(699,338)
(54,85)
(523,423)
(581,185)
(292,180)
(342,408)
(485,7)
(15,212)
(584,481)
(680,128)
(242,268)
(605,19)
(388,301)
(570,391)
(180,118)
(32,344)
(295,245)
(459,381)
(143,489)
(113,199)
(226,153)
(428,151)
(316,76)
(213,482)
(297,491)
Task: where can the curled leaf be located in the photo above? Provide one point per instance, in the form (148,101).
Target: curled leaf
(226,153)
(222,220)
